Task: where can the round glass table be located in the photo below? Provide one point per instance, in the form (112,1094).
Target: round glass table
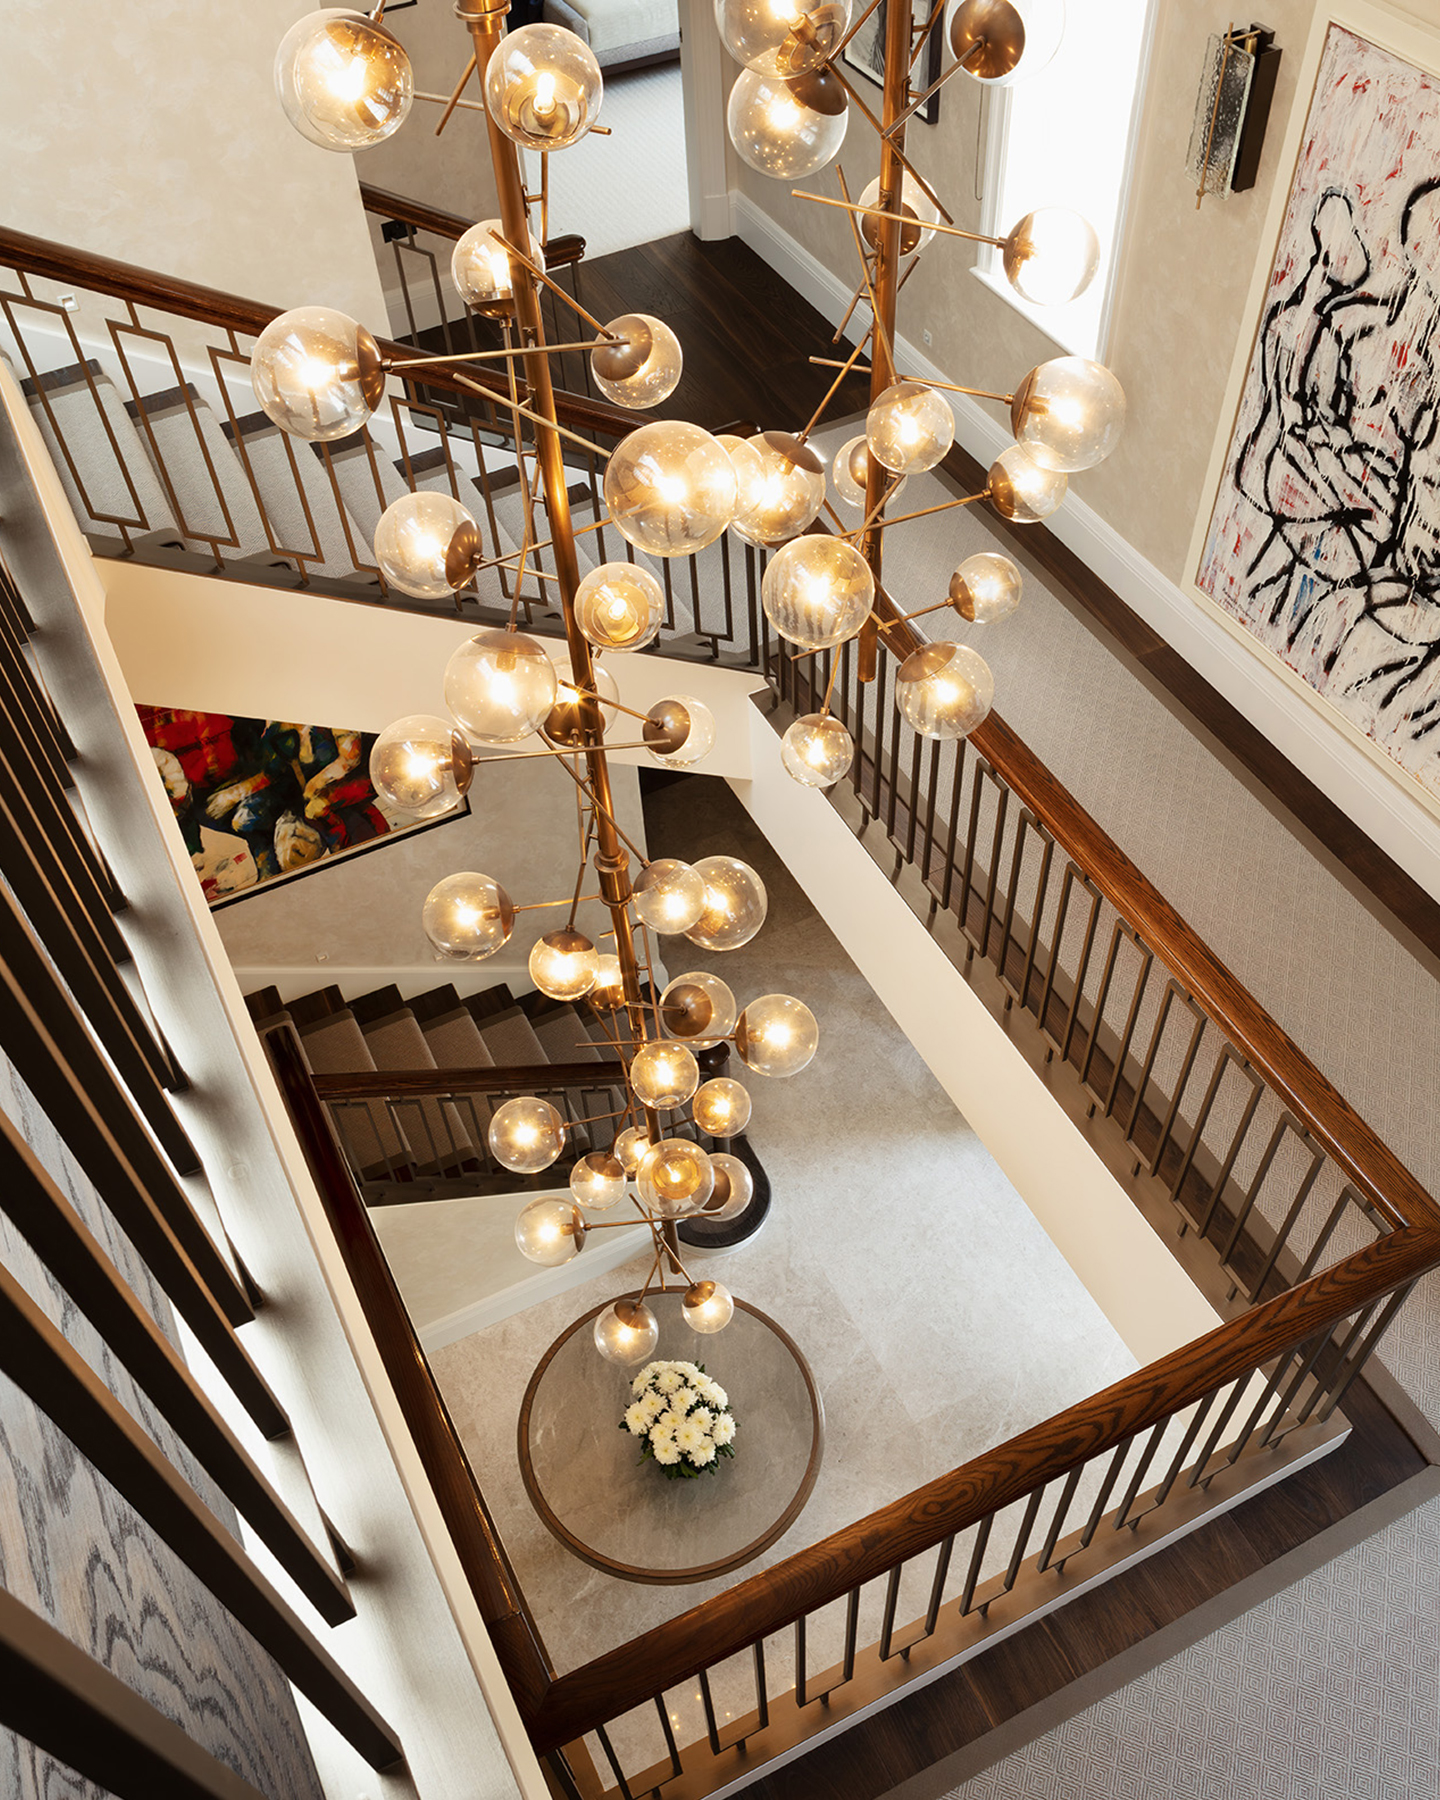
(618,1511)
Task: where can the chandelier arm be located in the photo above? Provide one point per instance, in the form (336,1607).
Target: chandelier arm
(937,12)
(420,362)
(877,330)
(553,286)
(860,288)
(905,618)
(878,507)
(876,212)
(873,7)
(594,798)
(541,905)
(943,506)
(935,86)
(454,99)
(584,867)
(829,685)
(951,387)
(881,132)
(845,369)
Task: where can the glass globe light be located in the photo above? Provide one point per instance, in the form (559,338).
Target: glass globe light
(316,373)
(749,471)
(1017,38)
(526,1135)
(663,1075)
(790,491)
(344,81)
(735,904)
(563,964)
(598,1181)
(619,606)
(482,271)
(781,39)
(849,470)
(630,1146)
(577,711)
(944,690)
(543,87)
(816,750)
(787,128)
(500,685)
(919,212)
(669,896)
(422,766)
(721,1107)
(670,488)
(733,1190)
(626,1332)
(427,545)
(608,993)
(708,1306)
(643,371)
(550,1232)
(776,1035)
(675,1178)
(468,916)
(699,1009)
(679,731)
(1068,413)
(985,587)
(1021,490)
(817,591)
(910,428)
(1051,256)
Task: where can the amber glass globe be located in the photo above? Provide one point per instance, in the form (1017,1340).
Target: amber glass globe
(619,606)
(679,731)
(543,87)
(816,750)
(526,1135)
(817,591)
(848,472)
(670,488)
(721,1107)
(626,1332)
(663,1075)
(576,711)
(784,38)
(675,1178)
(699,1009)
(468,916)
(598,1181)
(918,211)
(344,81)
(1051,256)
(910,428)
(563,964)
(1003,41)
(776,132)
(427,545)
(669,896)
(316,373)
(735,904)
(1021,490)
(944,690)
(481,268)
(608,993)
(422,766)
(628,1148)
(500,685)
(550,1232)
(985,587)
(776,1035)
(733,1190)
(789,493)
(1068,414)
(708,1306)
(749,471)
(643,367)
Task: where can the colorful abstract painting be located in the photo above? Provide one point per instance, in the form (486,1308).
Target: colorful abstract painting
(260,801)
(1324,542)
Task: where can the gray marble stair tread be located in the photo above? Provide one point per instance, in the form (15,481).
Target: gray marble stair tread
(99,469)
(336,1046)
(455,1042)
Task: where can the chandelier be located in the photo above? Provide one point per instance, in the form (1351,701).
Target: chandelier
(672,489)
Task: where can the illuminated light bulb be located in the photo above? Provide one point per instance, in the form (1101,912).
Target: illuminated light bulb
(427,545)
(776,1035)
(563,964)
(749,471)
(721,1107)
(669,896)
(1051,256)
(816,750)
(550,1232)
(787,128)
(944,690)
(733,1190)
(1016,38)
(500,685)
(679,731)
(642,371)
(421,766)
(663,1075)
(781,37)
(481,269)
(630,1146)
(698,1008)
(849,470)
(619,606)
(608,993)
(344,81)
(918,211)
(789,492)
(735,904)
(626,1332)
(817,591)
(543,87)
(670,488)
(598,1181)
(1020,490)
(910,427)
(708,1306)
(985,587)
(675,1178)
(316,373)
(526,1135)
(1068,414)
(575,712)
(468,916)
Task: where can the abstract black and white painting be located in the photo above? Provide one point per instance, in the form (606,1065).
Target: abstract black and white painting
(1324,541)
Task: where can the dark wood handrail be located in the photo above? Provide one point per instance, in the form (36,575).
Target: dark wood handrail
(560,252)
(410,1084)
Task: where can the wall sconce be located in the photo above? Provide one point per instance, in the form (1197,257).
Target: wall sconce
(1237,84)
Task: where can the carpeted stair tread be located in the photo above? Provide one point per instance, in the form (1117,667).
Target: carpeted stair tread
(205,475)
(441,1134)
(510,1039)
(397,1042)
(335,1045)
(455,1042)
(291,481)
(563,1037)
(379,1003)
(98,453)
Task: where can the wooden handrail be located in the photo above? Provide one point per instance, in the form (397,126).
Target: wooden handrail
(560,252)
(410,1084)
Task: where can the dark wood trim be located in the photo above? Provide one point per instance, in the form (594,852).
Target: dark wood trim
(523,1078)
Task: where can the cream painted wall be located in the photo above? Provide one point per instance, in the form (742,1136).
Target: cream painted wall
(152,133)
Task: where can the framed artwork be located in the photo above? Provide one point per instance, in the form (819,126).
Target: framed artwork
(865,55)
(1319,536)
(264,801)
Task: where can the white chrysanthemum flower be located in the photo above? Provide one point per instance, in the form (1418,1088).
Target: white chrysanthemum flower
(683,1399)
(670,1421)
(643,1379)
(716,1396)
(703,1454)
(703,1417)
(637,1419)
(691,1436)
(669,1379)
(664,1448)
(723,1430)
(653,1406)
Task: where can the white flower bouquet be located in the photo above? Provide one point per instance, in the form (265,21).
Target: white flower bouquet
(682,1418)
